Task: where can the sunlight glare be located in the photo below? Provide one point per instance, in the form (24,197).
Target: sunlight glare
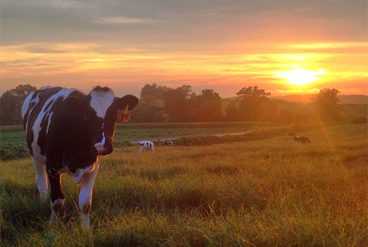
(300,77)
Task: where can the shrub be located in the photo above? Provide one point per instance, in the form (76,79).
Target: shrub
(10,151)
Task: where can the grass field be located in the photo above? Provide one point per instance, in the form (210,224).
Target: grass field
(265,192)
(13,138)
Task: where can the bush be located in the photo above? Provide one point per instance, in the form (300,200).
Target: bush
(11,151)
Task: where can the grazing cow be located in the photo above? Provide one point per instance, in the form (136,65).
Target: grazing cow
(66,132)
(168,143)
(301,140)
(146,145)
(289,133)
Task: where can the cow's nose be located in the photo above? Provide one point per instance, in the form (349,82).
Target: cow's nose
(100,148)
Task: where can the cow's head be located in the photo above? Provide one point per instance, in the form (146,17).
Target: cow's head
(100,117)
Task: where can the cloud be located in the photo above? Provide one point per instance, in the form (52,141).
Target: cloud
(215,42)
(44,50)
(121,20)
(326,45)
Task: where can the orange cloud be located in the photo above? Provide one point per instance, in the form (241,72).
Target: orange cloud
(89,64)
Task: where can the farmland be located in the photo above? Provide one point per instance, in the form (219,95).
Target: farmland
(253,190)
(13,140)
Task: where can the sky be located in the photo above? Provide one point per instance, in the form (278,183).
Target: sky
(282,46)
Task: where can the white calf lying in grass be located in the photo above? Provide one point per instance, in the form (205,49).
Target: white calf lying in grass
(146,145)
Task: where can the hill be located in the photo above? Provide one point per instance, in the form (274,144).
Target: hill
(353,99)
(307,98)
(302,98)
(352,106)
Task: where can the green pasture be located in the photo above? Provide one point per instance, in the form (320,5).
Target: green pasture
(263,191)
(13,138)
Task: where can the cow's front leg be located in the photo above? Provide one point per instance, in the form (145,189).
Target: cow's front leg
(57,194)
(85,195)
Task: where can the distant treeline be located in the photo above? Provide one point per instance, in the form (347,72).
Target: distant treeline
(165,104)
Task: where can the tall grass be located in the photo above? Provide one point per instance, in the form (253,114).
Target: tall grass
(255,193)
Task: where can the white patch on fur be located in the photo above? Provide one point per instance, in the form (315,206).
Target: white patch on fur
(64,93)
(102,143)
(25,105)
(54,215)
(48,124)
(101,101)
(85,195)
(41,178)
(78,175)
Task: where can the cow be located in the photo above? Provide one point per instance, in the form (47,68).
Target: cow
(301,140)
(289,133)
(66,131)
(146,145)
(168,143)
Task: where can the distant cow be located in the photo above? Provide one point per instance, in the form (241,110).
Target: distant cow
(146,145)
(301,140)
(66,132)
(289,133)
(168,143)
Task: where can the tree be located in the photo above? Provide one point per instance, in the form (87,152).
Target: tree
(11,103)
(150,108)
(183,105)
(152,92)
(178,104)
(208,106)
(326,106)
(254,104)
(146,113)
(232,112)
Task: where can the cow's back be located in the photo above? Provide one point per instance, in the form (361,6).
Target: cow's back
(37,111)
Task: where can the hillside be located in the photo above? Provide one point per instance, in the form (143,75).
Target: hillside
(302,98)
(307,98)
(352,106)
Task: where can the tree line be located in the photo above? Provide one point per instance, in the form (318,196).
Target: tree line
(164,104)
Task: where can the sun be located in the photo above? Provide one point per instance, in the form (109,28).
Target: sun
(300,77)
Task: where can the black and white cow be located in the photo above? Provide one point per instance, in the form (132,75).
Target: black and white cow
(168,143)
(146,145)
(301,140)
(66,132)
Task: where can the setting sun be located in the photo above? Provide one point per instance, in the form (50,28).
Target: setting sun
(300,77)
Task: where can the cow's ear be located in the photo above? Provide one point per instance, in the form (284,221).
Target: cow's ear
(75,104)
(128,101)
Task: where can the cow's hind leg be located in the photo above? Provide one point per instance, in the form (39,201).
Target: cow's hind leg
(57,195)
(41,178)
(85,195)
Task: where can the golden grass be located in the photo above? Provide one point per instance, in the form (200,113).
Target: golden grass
(255,193)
